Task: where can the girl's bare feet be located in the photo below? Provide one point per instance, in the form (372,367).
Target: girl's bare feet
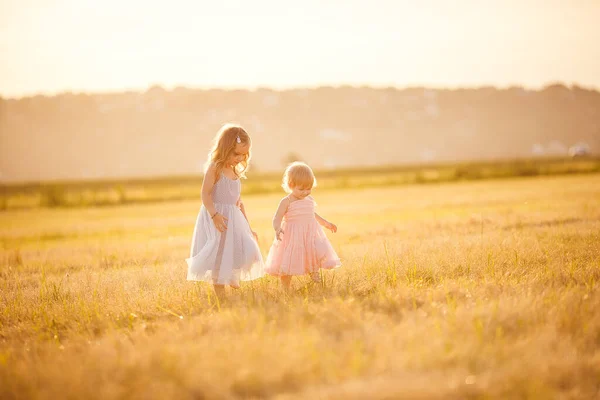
(219,290)
(235,280)
(286,281)
(315,277)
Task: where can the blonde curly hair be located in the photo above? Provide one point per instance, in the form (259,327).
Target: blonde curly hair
(298,174)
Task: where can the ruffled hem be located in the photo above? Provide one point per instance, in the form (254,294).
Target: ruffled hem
(224,258)
(301,253)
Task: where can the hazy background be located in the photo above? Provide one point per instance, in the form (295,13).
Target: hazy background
(474,279)
(112,89)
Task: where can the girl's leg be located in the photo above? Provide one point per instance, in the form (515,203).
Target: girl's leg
(235,279)
(315,277)
(286,281)
(219,290)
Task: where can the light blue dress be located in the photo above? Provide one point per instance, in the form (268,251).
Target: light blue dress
(228,257)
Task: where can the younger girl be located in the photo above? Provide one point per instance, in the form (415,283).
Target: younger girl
(224,249)
(300,246)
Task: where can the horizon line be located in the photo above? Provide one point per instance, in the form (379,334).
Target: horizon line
(253,88)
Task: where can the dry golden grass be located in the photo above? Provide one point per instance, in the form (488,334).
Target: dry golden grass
(134,191)
(485,289)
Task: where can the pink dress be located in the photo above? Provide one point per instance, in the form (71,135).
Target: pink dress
(304,247)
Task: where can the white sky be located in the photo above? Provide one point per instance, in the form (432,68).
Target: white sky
(50,46)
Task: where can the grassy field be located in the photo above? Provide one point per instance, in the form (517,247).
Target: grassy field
(136,191)
(474,289)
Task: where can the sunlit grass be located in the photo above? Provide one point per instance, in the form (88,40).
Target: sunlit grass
(137,191)
(456,290)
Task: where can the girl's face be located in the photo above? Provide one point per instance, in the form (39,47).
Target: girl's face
(239,154)
(300,192)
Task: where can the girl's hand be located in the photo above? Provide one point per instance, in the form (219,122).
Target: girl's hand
(331,227)
(278,233)
(220,222)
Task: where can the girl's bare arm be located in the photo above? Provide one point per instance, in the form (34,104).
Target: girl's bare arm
(240,205)
(281,209)
(326,224)
(207,186)
(208,183)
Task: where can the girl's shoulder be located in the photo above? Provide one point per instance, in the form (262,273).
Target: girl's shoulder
(289,199)
(286,201)
(218,170)
(211,168)
(227,172)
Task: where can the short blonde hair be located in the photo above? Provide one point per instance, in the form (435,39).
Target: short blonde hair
(298,174)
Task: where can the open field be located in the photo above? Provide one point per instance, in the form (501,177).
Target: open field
(468,289)
(134,191)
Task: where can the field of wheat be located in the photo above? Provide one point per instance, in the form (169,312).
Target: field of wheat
(475,289)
